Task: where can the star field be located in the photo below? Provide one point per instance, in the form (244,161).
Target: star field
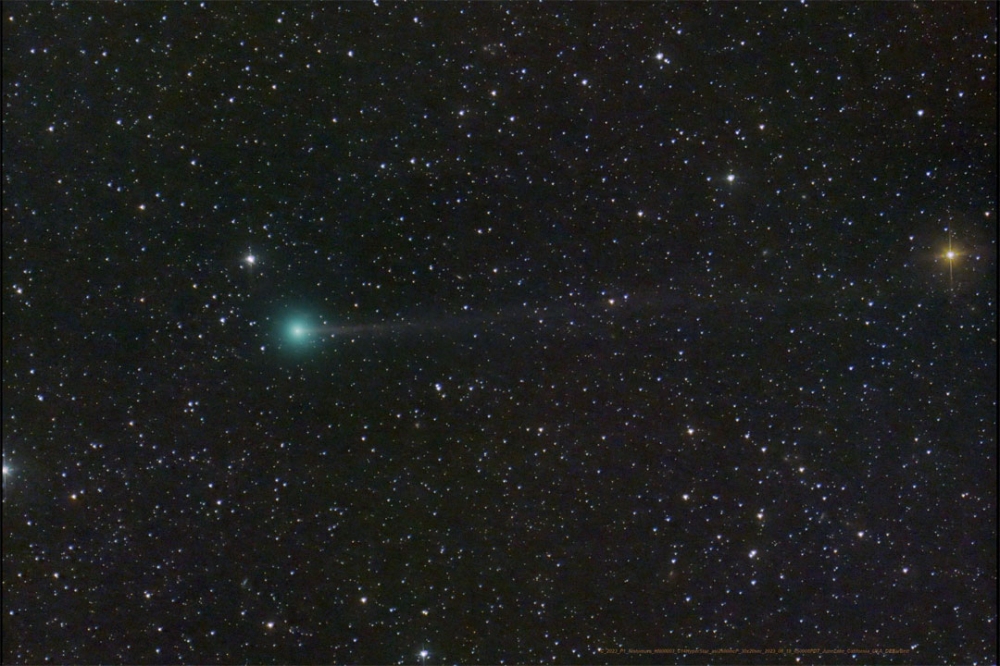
(499,333)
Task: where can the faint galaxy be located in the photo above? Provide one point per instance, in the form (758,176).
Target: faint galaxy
(499,333)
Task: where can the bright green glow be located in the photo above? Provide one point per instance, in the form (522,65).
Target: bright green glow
(297,331)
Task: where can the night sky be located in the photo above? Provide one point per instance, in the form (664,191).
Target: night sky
(479,333)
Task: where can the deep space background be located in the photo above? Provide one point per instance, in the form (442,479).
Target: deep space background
(481,333)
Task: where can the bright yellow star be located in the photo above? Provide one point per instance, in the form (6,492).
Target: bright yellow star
(951,255)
